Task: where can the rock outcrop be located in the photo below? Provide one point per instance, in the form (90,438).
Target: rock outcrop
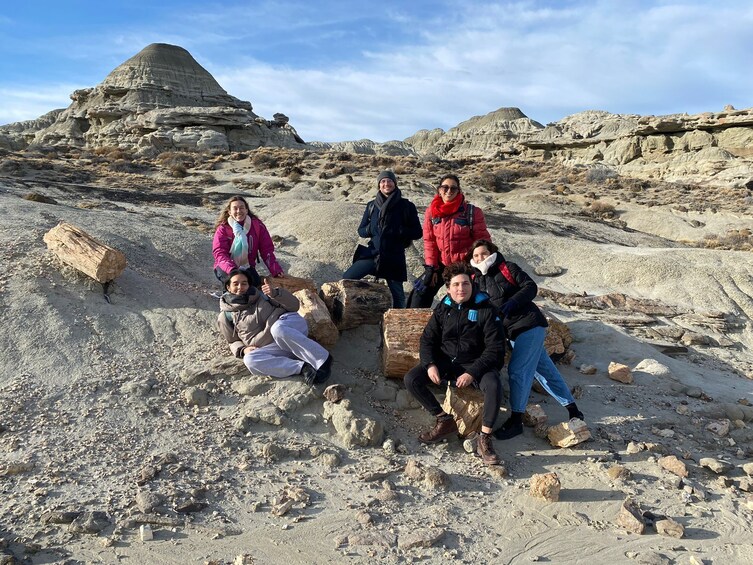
(159,99)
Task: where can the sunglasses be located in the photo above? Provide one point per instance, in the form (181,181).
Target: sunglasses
(448,188)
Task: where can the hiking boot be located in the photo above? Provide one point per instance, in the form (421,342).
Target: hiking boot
(485,449)
(511,428)
(445,426)
(308,374)
(574,412)
(323,372)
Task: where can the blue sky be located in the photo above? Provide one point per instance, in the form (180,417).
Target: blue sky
(385,69)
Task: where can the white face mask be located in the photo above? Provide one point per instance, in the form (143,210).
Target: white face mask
(485,265)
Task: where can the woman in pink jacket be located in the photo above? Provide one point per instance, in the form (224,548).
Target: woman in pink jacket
(239,238)
(451,225)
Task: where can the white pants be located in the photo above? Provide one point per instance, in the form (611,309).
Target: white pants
(291,348)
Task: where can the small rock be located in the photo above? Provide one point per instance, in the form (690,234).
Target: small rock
(546,486)
(568,434)
(630,517)
(618,473)
(244,559)
(720,428)
(196,397)
(683,409)
(420,538)
(329,459)
(364,518)
(548,270)
(89,523)
(435,479)
(147,501)
(672,464)
(145,532)
(587,369)
(719,467)
(372,538)
(635,447)
(745,484)
(748,469)
(693,392)
(620,373)
(534,416)
(653,367)
(335,393)
(669,527)
(414,470)
(577,392)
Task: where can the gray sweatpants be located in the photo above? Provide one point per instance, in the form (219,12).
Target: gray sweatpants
(291,348)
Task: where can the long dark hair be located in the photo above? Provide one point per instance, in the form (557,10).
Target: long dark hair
(479,242)
(225,213)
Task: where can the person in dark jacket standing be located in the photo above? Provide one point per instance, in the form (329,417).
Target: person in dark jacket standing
(391,224)
(464,344)
(512,291)
(451,224)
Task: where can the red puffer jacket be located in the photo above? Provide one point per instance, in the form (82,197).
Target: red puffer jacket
(448,239)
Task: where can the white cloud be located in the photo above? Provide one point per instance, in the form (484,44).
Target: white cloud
(23,103)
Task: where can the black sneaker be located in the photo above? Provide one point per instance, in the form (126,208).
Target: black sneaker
(308,373)
(509,429)
(323,373)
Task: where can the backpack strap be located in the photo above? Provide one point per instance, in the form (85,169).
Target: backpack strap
(505,270)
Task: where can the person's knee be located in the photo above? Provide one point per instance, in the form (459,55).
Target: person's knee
(413,378)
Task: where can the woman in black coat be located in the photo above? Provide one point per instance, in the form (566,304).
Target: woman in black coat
(391,224)
(512,291)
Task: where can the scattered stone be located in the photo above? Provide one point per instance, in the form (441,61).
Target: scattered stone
(364,518)
(534,416)
(89,523)
(618,473)
(329,459)
(653,367)
(724,482)
(587,369)
(664,432)
(546,486)
(190,507)
(548,270)
(635,447)
(720,428)
(251,386)
(244,559)
(745,484)
(147,501)
(630,517)
(568,434)
(719,467)
(373,538)
(693,392)
(577,392)
(496,471)
(59,517)
(672,464)
(196,397)
(145,532)
(748,469)
(414,470)
(335,393)
(669,527)
(16,468)
(420,538)
(435,479)
(352,429)
(620,373)
(683,409)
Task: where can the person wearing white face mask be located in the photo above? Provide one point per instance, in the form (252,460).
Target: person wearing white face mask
(239,238)
(512,291)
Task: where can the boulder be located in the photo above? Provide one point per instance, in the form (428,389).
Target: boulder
(568,434)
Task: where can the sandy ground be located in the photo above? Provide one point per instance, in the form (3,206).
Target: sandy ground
(94,415)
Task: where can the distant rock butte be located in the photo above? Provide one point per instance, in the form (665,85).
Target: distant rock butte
(159,99)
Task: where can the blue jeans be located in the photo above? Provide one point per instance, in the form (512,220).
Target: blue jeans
(530,360)
(364,267)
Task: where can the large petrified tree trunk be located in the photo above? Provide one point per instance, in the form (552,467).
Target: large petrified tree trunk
(401,332)
(314,311)
(82,252)
(354,303)
(294,284)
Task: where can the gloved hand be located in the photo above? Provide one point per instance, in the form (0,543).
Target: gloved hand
(509,307)
(427,280)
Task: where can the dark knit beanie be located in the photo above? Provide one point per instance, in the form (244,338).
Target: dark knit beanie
(387,175)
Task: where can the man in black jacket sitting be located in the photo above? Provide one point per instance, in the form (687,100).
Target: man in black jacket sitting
(463,344)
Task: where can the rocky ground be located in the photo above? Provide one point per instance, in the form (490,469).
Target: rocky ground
(128,433)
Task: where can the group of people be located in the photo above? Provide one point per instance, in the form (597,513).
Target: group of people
(489,303)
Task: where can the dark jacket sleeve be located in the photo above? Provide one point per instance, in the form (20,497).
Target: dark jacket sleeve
(431,340)
(527,287)
(493,356)
(364,230)
(412,229)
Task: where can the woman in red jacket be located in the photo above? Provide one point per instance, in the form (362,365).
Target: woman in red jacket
(239,238)
(451,225)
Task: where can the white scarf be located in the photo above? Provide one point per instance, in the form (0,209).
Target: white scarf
(239,247)
(485,265)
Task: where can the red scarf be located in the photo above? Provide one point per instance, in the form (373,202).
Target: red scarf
(441,209)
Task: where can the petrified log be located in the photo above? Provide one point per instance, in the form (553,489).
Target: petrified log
(401,332)
(294,284)
(313,310)
(84,253)
(353,303)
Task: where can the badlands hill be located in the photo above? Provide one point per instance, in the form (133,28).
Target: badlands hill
(127,416)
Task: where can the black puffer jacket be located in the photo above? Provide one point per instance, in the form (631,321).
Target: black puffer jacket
(526,314)
(468,334)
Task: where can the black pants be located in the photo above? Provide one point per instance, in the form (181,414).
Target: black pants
(417,382)
(426,298)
